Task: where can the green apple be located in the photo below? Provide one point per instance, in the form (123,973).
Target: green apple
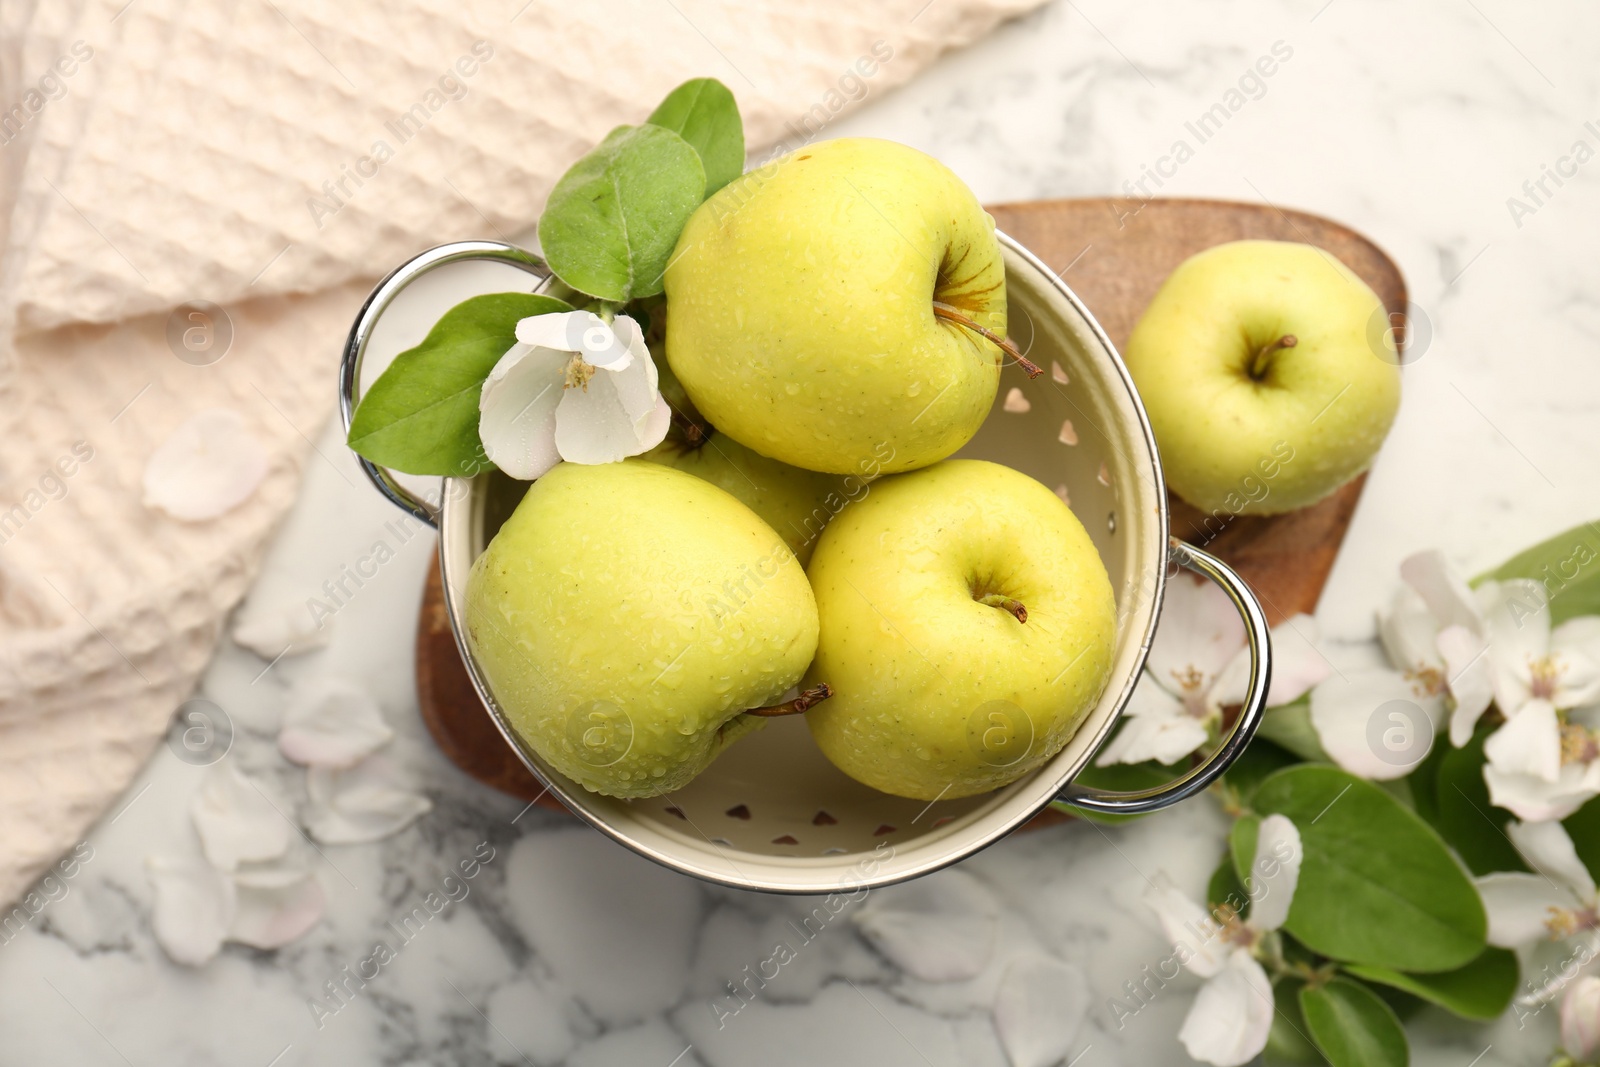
(797,503)
(627,615)
(1263,388)
(810,308)
(940,688)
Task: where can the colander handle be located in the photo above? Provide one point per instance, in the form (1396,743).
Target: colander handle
(1142,801)
(355,347)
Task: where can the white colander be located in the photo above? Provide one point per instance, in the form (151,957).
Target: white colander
(771,813)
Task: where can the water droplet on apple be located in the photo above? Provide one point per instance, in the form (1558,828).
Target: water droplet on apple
(914,389)
(792,388)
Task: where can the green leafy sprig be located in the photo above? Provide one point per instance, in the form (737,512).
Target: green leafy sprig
(607,233)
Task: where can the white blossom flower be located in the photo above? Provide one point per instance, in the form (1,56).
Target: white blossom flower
(1556,902)
(574,388)
(1199,664)
(1232,1014)
(1433,637)
(1544,763)
(1580,1019)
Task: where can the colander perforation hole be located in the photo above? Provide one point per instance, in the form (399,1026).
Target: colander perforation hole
(739,811)
(786,839)
(883,828)
(673,809)
(822,818)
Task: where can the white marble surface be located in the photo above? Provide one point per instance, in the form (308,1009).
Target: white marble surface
(1412,122)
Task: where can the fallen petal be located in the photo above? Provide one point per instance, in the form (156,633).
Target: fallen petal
(1189,926)
(236,821)
(209,465)
(1038,1010)
(367,802)
(329,722)
(289,630)
(275,907)
(939,929)
(194,906)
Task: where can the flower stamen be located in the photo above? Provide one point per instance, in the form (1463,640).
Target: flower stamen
(1544,674)
(1578,745)
(578,373)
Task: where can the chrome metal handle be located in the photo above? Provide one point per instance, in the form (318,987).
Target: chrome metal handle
(1142,801)
(355,347)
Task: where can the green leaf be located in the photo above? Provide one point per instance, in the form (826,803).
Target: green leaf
(1289,727)
(1289,1040)
(1352,1027)
(421,415)
(1122,777)
(1480,990)
(1225,888)
(1568,565)
(1583,826)
(703,112)
(1423,783)
(1376,885)
(1254,765)
(1466,819)
(612,221)
(1242,845)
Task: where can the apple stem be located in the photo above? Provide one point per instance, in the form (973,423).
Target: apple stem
(815,695)
(1014,606)
(694,435)
(1009,347)
(1258,366)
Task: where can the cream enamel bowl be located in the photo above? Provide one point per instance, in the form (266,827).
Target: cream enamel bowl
(772,813)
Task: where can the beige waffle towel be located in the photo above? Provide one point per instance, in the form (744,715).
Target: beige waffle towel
(274,157)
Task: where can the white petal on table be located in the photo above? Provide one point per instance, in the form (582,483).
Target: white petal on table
(1360,736)
(1231,1016)
(1518,904)
(367,802)
(1274,872)
(208,466)
(1528,744)
(194,907)
(1549,850)
(330,722)
(285,630)
(517,409)
(1038,1010)
(275,906)
(1189,925)
(236,821)
(939,929)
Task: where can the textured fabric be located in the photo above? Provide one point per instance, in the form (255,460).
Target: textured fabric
(274,157)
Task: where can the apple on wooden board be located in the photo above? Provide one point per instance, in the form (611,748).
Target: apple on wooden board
(840,303)
(1262,386)
(628,615)
(967,627)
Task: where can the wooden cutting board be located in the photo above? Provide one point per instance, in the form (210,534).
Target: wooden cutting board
(1114,254)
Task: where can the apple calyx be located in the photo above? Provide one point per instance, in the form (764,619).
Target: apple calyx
(815,695)
(996,600)
(1263,357)
(1006,345)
